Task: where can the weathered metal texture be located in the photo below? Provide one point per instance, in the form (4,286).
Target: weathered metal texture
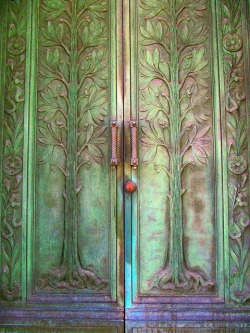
(174,100)
(61,202)
(188,233)
(134,143)
(75,106)
(114,139)
(72,151)
(69,326)
(181,69)
(234,51)
(65,329)
(205,327)
(11,146)
(186,330)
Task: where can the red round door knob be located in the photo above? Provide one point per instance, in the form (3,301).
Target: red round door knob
(130,186)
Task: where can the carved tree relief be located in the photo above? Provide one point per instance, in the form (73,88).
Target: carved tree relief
(11,210)
(174,71)
(237,149)
(72,110)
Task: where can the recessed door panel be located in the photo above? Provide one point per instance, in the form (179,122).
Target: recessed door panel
(76,100)
(73,182)
(177,119)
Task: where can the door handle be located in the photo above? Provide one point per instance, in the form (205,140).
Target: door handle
(114,130)
(134,155)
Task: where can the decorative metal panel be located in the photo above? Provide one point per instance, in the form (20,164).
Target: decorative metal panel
(176,197)
(235,48)
(73,221)
(56,178)
(181,68)
(12,122)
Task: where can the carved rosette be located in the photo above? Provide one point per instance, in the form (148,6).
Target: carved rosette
(72,118)
(237,129)
(174,109)
(232,42)
(11,213)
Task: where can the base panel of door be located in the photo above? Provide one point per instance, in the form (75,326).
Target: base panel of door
(186,319)
(51,319)
(65,326)
(186,327)
(85,328)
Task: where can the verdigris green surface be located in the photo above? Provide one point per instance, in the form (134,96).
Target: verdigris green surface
(72,130)
(190,216)
(236,106)
(59,207)
(12,133)
(181,69)
(177,137)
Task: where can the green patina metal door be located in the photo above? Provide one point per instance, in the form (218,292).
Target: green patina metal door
(61,201)
(124,147)
(187,226)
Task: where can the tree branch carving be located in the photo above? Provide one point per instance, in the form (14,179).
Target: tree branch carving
(72,116)
(174,101)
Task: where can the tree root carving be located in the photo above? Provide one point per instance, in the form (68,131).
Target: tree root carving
(77,278)
(186,279)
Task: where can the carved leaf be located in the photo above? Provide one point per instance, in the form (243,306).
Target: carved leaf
(152,32)
(237,147)
(53,35)
(11,208)
(55,8)
(93,35)
(93,103)
(154,102)
(152,8)
(97,8)
(93,140)
(198,63)
(198,138)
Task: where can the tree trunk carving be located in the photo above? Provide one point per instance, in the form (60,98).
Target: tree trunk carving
(172,94)
(75,84)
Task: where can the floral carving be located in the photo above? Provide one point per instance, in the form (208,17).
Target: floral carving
(16,45)
(174,94)
(232,42)
(72,117)
(12,165)
(237,130)
(11,218)
(237,163)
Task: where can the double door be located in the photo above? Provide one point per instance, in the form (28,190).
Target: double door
(124,166)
